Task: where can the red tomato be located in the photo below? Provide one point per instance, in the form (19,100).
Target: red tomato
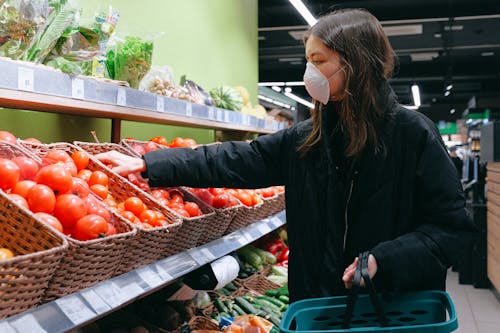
(81,159)
(58,155)
(181,211)
(98,209)
(100,190)
(150,146)
(79,188)
(32,140)
(98,177)
(90,227)
(160,193)
(19,200)
(8,137)
(177,142)
(190,143)
(134,205)
(41,198)
(110,201)
(164,202)
(216,190)
(221,201)
(69,209)
(245,198)
(56,177)
(267,192)
(128,215)
(50,220)
(205,195)
(176,198)
(22,188)
(148,216)
(9,174)
(27,166)
(71,167)
(160,140)
(84,174)
(193,209)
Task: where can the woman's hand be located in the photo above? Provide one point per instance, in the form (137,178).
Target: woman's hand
(348,276)
(122,164)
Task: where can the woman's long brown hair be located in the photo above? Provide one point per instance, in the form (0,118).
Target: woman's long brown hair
(368,59)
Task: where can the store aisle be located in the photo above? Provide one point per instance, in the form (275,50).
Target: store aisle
(478,310)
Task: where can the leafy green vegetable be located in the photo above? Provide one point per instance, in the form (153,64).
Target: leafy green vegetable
(131,60)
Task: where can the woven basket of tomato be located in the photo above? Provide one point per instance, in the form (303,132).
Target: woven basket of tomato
(141,147)
(196,215)
(249,211)
(155,226)
(102,147)
(273,201)
(226,207)
(30,251)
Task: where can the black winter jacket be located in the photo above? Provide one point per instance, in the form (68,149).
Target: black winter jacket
(407,206)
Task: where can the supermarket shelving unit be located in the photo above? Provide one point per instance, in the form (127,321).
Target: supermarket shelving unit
(37,88)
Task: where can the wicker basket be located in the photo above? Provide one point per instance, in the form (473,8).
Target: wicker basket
(271,206)
(148,245)
(97,148)
(244,217)
(129,143)
(217,227)
(192,228)
(38,249)
(260,283)
(203,323)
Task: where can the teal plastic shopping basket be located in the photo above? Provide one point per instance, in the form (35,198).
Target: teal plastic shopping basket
(417,312)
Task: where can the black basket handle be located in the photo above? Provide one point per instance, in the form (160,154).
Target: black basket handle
(362,271)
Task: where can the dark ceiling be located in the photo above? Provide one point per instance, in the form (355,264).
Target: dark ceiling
(459,43)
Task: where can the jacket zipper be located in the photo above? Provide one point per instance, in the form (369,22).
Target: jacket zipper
(346,211)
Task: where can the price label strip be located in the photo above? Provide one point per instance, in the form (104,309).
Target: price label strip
(276,221)
(75,309)
(163,273)
(211,113)
(189,110)
(149,276)
(160,104)
(25,79)
(226,116)
(121,97)
(132,290)
(77,88)
(263,228)
(219,115)
(27,323)
(95,301)
(6,328)
(201,256)
(111,294)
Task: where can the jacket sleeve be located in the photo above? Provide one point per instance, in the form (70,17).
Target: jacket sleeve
(420,258)
(236,164)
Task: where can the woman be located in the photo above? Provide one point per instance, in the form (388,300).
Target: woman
(363,174)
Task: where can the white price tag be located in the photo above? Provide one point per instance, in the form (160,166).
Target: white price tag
(189,110)
(6,328)
(95,301)
(77,88)
(150,277)
(276,221)
(75,309)
(121,97)
(160,104)
(25,79)
(219,115)
(163,273)
(27,323)
(263,228)
(246,120)
(226,116)
(111,294)
(132,290)
(211,113)
(209,255)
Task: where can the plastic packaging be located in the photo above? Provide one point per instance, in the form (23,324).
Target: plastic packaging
(20,22)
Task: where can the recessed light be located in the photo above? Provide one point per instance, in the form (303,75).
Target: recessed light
(447,93)
(276,88)
(454,27)
(487,54)
(288,90)
(438,35)
(452,111)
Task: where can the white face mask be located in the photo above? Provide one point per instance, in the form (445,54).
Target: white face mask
(317,85)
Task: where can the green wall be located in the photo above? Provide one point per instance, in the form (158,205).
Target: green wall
(212,42)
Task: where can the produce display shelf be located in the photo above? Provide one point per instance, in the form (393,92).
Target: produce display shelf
(30,87)
(78,309)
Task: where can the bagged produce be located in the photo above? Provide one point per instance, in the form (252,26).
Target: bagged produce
(130,59)
(20,22)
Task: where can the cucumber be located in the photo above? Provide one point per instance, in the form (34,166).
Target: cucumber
(283,291)
(273,300)
(238,309)
(267,257)
(230,287)
(225,315)
(228,304)
(246,306)
(234,313)
(220,306)
(250,257)
(266,304)
(272,293)
(242,274)
(269,315)
(284,299)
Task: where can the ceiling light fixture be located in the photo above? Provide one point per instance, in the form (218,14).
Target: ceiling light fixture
(487,54)
(452,111)
(411,107)
(294,83)
(449,87)
(300,100)
(447,93)
(415,90)
(302,9)
(276,88)
(288,90)
(270,84)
